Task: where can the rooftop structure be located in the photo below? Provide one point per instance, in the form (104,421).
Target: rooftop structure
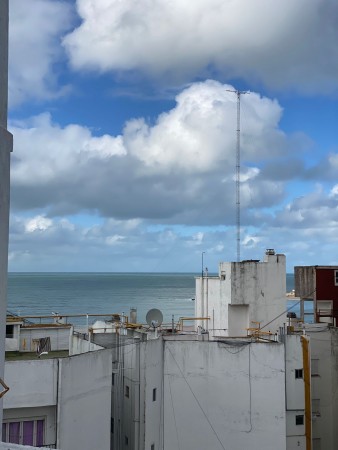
(246,294)
(318,284)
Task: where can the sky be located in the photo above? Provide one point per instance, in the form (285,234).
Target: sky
(124,120)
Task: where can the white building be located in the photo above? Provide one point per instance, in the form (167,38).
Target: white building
(56,400)
(178,391)
(244,294)
(324,385)
(6,145)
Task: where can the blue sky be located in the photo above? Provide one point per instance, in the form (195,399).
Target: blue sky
(125,133)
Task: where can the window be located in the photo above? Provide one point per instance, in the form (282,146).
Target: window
(300,420)
(10,331)
(154,395)
(152,447)
(299,373)
(126,440)
(112,425)
(112,379)
(336,277)
(28,432)
(127,391)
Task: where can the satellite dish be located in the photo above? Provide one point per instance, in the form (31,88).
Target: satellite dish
(154,318)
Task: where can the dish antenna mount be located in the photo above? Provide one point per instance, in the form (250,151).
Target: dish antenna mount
(154,319)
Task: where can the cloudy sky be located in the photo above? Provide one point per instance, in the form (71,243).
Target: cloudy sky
(124,125)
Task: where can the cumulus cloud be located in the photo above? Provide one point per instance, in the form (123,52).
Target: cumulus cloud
(317,210)
(34,49)
(280,43)
(179,169)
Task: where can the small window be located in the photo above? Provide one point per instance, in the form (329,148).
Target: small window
(154,395)
(112,379)
(10,331)
(127,391)
(152,447)
(299,373)
(112,425)
(126,440)
(336,277)
(299,420)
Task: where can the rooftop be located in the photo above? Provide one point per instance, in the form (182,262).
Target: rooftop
(26,356)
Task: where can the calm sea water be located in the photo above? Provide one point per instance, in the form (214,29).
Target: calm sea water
(104,293)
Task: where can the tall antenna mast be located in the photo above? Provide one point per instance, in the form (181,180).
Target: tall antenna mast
(238,171)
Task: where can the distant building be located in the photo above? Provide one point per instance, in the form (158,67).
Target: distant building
(244,294)
(318,284)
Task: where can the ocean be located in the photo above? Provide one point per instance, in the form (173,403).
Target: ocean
(105,293)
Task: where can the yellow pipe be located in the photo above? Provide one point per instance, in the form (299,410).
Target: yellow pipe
(307,391)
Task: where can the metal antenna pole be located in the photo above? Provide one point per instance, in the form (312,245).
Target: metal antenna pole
(238,172)
(238,176)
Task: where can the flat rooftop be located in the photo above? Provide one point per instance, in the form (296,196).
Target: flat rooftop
(26,356)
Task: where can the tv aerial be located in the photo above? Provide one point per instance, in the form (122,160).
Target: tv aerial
(154,319)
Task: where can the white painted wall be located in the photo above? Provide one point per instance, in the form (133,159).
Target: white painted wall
(85,401)
(215,396)
(259,285)
(79,388)
(6,146)
(152,370)
(12,345)
(32,383)
(79,345)
(324,384)
(59,337)
(295,394)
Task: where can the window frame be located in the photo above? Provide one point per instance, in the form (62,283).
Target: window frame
(335,273)
(298,374)
(299,419)
(6,430)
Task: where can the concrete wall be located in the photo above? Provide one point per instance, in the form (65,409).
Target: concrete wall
(84,405)
(6,145)
(32,383)
(59,337)
(294,360)
(79,345)
(152,367)
(324,381)
(215,396)
(257,289)
(73,395)
(295,393)
(305,281)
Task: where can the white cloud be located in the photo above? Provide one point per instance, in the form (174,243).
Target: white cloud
(280,43)
(34,48)
(38,223)
(177,169)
